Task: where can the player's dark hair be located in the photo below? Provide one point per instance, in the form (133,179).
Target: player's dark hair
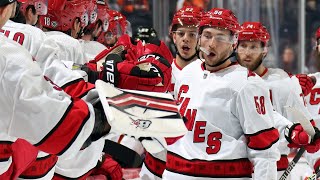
(33,9)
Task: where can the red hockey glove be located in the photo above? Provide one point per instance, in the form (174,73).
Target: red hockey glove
(306,83)
(108,167)
(126,74)
(297,138)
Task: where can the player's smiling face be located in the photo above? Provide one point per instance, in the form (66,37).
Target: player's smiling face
(250,54)
(185,38)
(218,43)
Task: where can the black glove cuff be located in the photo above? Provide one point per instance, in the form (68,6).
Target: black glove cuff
(288,132)
(110,72)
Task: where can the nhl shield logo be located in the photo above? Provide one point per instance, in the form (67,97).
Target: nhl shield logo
(54,24)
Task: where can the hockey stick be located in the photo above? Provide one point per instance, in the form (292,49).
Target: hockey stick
(307,126)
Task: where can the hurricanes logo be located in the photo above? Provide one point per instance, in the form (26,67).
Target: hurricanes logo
(144,124)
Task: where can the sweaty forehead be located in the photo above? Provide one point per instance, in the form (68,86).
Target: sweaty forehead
(216,31)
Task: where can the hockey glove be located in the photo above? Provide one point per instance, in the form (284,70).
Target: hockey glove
(108,167)
(128,75)
(297,138)
(306,83)
(155,56)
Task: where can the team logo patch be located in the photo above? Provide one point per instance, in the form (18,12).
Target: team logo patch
(144,124)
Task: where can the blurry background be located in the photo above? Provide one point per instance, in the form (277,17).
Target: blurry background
(291,23)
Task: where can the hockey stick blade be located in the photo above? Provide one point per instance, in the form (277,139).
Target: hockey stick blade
(140,113)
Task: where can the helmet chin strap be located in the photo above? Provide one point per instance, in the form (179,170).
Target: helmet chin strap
(221,62)
(185,59)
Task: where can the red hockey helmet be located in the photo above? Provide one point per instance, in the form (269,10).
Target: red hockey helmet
(41,6)
(92,10)
(117,23)
(254,31)
(221,18)
(186,16)
(103,16)
(78,8)
(63,20)
(57,5)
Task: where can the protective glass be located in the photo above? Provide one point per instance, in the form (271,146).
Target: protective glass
(220,38)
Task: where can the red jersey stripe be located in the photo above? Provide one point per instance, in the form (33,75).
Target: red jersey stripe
(234,168)
(154,165)
(60,138)
(262,139)
(40,167)
(78,88)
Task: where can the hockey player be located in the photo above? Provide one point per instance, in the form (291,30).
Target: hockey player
(32,9)
(284,89)
(63,129)
(93,30)
(184,32)
(117,26)
(71,82)
(88,41)
(312,102)
(228,112)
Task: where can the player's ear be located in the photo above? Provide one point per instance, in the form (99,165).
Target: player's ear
(174,37)
(29,14)
(76,24)
(4,10)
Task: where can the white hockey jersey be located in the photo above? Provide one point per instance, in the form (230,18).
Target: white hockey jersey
(28,36)
(176,71)
(53,54)
(70,49)
(313,105)
(35,109)
(285,91)
(83,162)
(50,51)
(229,118)
(91,49)
(313,100)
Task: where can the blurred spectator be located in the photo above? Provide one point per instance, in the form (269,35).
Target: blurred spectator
(129,6)
(289,60)
(137,12)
